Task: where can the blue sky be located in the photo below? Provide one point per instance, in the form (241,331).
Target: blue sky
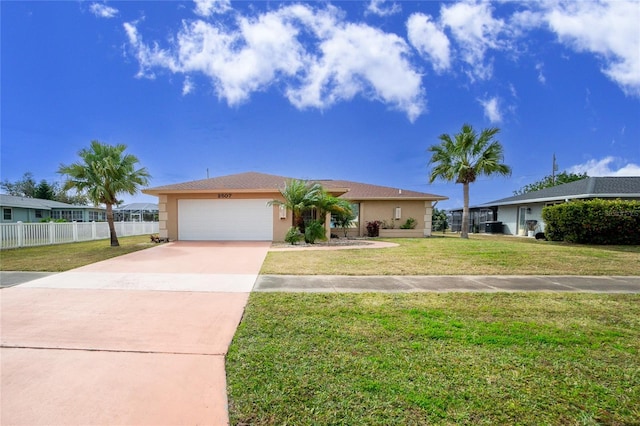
(343,90)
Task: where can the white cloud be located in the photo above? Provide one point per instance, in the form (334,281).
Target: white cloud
(608,29)
(358,59)
(541,78)
(102,10)
(187,86)
(429,40)
(382,8)
(491,108)
(475,30)
(265,51)
(608,166)
(206,8)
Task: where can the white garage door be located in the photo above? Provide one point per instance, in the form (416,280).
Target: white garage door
(224,219)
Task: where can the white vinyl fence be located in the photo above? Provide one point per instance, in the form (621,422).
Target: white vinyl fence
(13,235)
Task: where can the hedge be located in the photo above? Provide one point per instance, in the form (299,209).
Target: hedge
(594,222)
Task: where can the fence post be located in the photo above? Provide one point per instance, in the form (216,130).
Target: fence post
(75,231)
(94,232)
(20,234)
(52,232)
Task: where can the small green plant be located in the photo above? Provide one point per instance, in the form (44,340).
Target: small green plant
(409,224)
(313,231)
(293,235)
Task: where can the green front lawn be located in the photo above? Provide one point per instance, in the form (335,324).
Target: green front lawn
(62,257)
(451,255)
(417,359)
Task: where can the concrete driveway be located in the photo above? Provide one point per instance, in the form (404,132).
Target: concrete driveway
(139,339)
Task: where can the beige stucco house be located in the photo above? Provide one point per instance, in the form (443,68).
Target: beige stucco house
(235,207)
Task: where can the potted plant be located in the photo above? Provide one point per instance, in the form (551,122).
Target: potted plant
(532,226)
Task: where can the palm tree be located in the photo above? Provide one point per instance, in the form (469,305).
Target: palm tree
(464,157)
(298,196)
(104,172)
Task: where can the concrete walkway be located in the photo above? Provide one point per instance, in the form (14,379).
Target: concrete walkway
(446,283)
(139,339)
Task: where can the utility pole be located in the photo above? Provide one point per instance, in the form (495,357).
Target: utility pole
(554,169)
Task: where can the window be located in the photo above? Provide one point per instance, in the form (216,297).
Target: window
(7,214)
(355,208)
(68,215)
(309,215)
(96,216)
(38,214)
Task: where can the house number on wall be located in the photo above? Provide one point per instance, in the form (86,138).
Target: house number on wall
(224,195)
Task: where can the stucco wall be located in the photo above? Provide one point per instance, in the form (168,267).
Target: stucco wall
(385,211)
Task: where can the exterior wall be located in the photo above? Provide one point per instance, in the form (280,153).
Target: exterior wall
(509,216)
(384,210)
(168,212)
(21,214)
(420,210)
(31,215)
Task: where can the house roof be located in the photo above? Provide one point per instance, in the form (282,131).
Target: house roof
(364,191)
(36,203)
(23,202)
(591,187)
(261,182)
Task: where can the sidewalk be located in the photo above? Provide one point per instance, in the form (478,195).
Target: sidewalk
(446,283)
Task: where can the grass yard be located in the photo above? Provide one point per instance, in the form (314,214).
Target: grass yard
(451,255)
(62,257)
(424,358)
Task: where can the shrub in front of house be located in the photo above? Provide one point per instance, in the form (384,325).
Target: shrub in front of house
(313,231)
(409,224)
(594,222)
(373,228)
(293,235)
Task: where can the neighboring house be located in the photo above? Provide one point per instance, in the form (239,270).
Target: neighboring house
(235,207)
(136,212)
(514,212)
(23,209)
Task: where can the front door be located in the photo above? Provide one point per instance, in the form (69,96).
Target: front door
(522,220)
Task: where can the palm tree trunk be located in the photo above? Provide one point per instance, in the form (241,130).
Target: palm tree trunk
(112,227)
(465,212)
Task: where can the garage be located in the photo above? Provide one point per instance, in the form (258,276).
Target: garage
(225,220)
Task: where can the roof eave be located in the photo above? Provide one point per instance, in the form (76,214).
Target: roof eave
(208,191)
(559,198)
(434,198)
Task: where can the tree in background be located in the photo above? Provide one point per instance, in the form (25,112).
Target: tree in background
(464,157)
(26,187)
(439,220)
(103,172)
(45,191)
(549,181)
